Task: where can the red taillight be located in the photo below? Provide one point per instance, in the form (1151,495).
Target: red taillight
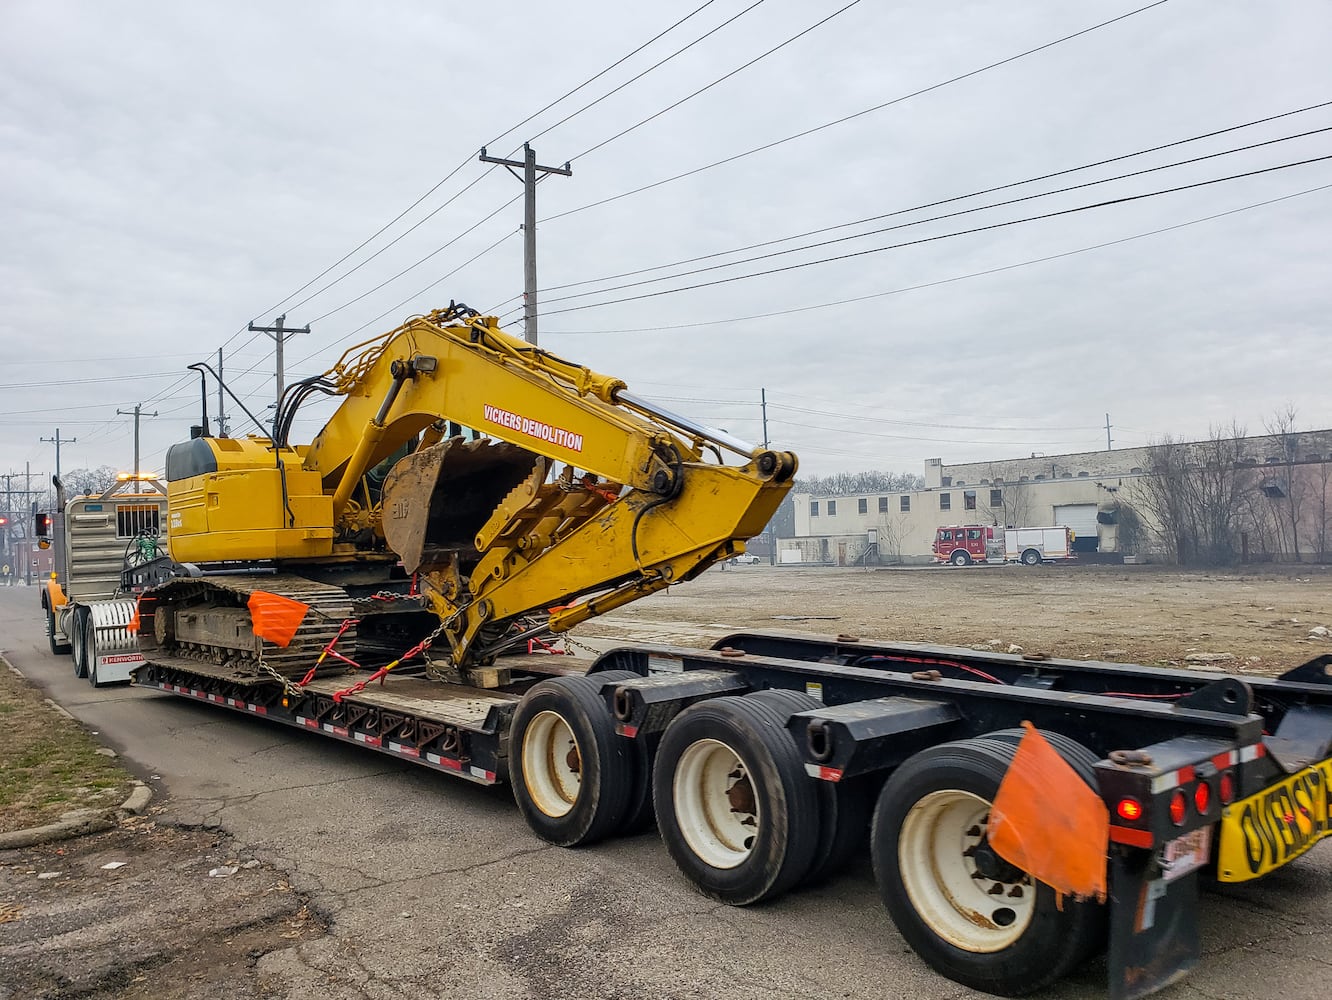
(1129,809)
(1202,797)
(1179,807)
(1226,787)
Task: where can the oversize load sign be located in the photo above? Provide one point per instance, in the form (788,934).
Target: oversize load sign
(538,429)
(1276,825)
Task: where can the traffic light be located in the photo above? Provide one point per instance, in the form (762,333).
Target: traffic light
(42,524)
(3,520)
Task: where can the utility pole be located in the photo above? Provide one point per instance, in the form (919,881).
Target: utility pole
(763,402)
(1107,432)
(529,167)
(135,414)
(221,417)
(56,440)
(279,335)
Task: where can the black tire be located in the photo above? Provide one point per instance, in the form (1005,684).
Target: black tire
(90,650)
(586,795)
(78,642)
(1025,942)
(1031,558)
(960,558)
(743,739)
(57,647)
(640,817)
(844,806)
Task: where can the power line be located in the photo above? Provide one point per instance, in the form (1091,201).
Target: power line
(858,114)
(962,197)
(657,65)
(943,236)
(449,176)
(914,222)
(819,306)
(739,69)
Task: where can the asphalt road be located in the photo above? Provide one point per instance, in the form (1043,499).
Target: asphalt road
(434,888)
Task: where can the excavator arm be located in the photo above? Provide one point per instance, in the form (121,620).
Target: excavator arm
(573,497)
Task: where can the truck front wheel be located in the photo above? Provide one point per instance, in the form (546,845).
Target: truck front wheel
(965,910)
(573,776)
(960,558)
(58,647)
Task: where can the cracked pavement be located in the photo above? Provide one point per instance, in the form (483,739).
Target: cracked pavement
(434,888)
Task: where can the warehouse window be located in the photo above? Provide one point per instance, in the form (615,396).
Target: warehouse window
(862,506)
(969,499)
(945,501)
(883,505)
(813,508)
(996,498)
(905,505)
(832,508)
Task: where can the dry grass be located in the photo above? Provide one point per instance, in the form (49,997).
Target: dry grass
(48,764)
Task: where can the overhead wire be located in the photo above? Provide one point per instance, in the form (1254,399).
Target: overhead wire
(921,222)
(932,239)
(818,306)
(859,114)
(972,194)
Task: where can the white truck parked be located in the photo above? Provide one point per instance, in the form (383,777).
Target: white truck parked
(87,600)
(1032,546)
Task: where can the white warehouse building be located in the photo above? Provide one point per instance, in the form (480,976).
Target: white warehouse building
(1084,491)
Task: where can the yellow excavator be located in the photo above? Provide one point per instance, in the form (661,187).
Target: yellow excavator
(471,493)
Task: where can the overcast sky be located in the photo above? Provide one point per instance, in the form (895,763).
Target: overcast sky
(171,171)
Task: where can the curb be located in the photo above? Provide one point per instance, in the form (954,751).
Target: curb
(79,822)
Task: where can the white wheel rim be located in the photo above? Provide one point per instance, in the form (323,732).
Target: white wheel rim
(715,804)
(934,853)
(552,764)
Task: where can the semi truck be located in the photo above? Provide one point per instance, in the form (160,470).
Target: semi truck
(98,542)
(397,584)
(964,544)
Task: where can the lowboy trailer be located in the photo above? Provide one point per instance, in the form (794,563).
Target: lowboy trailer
(1023,814)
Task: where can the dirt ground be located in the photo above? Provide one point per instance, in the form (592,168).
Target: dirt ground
(134,914)
(1134,614)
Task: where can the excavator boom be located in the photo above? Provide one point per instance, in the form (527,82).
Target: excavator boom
(520,483)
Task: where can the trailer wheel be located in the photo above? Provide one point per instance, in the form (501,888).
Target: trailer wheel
(968,913)
(844,806)
(735,809)
(78,645)
(57,647)
(960,558)
(1031,558)
(573,776)
(640,816)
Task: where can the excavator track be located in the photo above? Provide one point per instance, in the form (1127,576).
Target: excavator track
(207,619)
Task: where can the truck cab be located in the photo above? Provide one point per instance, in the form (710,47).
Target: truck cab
(963,544)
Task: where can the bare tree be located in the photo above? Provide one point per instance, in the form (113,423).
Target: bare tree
(1196,492)
(892,531)
(86,482)
(841,484)
(1289,489)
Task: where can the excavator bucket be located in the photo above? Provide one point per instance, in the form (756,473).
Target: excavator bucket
(438,498)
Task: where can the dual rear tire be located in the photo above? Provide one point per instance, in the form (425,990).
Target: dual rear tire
(744,823)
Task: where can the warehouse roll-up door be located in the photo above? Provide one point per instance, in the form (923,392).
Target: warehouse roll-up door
(1081,517)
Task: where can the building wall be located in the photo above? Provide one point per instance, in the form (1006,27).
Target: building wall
(874,527)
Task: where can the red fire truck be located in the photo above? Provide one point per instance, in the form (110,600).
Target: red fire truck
(964,544)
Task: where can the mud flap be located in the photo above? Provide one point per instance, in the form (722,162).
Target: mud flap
(1154,937)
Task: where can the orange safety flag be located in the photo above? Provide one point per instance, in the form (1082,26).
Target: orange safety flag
(274,617)
(133,625)
(1049,822)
